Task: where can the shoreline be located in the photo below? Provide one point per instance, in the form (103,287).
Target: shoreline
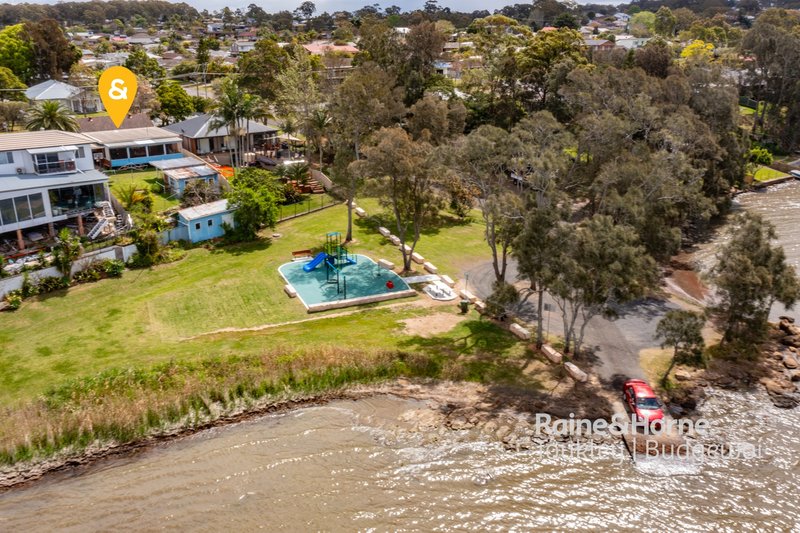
(458,405)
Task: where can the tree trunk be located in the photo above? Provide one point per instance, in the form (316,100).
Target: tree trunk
(349,236)
(540,318)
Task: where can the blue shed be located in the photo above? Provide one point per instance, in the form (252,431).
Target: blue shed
(204,222)
(177,173)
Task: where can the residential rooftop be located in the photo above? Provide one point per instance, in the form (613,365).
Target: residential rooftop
(31,140)
(124,137)
(200,126)
(21,182)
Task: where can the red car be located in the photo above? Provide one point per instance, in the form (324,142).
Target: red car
(642,401)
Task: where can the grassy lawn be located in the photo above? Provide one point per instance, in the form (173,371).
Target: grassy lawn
(149,316)
(147,180)
(765,174)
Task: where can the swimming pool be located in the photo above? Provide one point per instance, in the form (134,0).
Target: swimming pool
(356,284)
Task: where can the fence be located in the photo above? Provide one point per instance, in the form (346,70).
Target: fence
(310,205)
(123,253)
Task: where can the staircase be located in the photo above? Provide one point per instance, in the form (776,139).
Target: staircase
(315,186)
(108,211)
(97,229)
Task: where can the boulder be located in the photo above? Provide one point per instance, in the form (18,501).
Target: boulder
(383,231)
(520,332)
(290,292)
(417,258)
(552,354)
(791,340)
(386,264)
(576,373)
(795,375)
(448,280)
(789,361)
(682,375)
(430,268)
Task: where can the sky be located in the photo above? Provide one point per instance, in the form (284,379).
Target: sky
(339,5)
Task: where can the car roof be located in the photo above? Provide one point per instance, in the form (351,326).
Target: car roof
(640,388)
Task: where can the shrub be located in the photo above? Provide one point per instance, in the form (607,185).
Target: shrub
(14,299)
(52,283)
(29,288)
(113,268)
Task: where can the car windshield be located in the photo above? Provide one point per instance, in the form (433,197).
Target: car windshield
(647,403)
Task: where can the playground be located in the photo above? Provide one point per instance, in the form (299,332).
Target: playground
(336,278)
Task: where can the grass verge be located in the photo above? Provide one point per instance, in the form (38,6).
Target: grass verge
(121,406)
(144,180)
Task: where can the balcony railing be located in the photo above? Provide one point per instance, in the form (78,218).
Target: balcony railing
(55,167)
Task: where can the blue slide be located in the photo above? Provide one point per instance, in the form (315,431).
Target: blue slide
(314,263)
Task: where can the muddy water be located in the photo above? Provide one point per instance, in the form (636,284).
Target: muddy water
(781,206)
(354,465)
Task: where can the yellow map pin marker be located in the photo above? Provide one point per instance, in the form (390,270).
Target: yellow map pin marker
(117,87)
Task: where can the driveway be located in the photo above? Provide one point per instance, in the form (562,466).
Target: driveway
(614,344)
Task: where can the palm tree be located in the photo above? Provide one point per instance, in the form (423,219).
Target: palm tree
(50,115)
(319,122)
(235,108)
(288,127)
(227,112)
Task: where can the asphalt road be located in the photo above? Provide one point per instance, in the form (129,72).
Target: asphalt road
(610,346)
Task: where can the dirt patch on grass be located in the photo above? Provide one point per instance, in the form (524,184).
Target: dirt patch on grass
(428,326)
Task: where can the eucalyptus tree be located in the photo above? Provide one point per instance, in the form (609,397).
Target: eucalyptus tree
(404,174)
(751,274)
(601,266)
(364,102)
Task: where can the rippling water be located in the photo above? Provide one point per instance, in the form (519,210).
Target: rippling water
(354,465)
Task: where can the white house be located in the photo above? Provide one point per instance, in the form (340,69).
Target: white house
(73,98)
(240,47)
(629,42)
(46,177)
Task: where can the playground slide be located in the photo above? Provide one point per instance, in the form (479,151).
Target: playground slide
(314,263)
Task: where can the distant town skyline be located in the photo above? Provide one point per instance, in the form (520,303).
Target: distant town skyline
(330,6)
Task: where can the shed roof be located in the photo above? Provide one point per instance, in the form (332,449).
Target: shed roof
(181,162)
(187,173)
(204,210)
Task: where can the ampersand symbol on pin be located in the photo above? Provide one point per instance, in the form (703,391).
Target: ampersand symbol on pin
(118,93)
